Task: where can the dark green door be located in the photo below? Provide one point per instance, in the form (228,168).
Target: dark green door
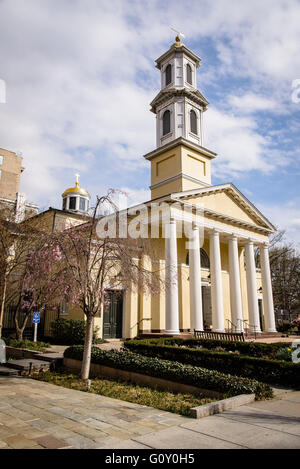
(113,316)
(261,316)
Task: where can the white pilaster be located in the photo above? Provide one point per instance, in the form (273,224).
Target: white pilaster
(195,281)
(172,310)
(252,288)
(267,289)
(216,283)
(235,284)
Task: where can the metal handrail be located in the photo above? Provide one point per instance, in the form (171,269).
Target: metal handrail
(254,328)
(232,324)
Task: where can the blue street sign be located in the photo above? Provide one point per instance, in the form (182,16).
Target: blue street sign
(36,318)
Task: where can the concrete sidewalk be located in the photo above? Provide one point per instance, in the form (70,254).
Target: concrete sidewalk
(39,415)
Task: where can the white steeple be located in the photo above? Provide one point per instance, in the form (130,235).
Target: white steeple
(179,106)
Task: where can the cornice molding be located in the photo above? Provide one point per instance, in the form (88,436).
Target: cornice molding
(177,142)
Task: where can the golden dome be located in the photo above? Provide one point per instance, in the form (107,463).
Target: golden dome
(76,190)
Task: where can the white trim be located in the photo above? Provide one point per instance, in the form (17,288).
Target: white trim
(224,187)
(178,176)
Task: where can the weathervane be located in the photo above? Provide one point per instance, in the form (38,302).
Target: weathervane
(178,35)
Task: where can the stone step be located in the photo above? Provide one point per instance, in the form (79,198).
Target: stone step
(50,357)
(5,371)
(24,364)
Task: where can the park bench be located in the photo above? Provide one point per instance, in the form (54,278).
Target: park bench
(231,336)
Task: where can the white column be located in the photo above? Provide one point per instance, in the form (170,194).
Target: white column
(235,284)
(172,310)
(252,288)
(195,281)
(216,283)
(267,289)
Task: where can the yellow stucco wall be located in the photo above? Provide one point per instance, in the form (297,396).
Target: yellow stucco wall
(181,161)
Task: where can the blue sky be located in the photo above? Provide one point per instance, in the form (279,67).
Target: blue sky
(80,76)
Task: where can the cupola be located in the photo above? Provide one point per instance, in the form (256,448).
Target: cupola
(76,199)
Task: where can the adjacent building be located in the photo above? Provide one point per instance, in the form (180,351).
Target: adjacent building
(11,198)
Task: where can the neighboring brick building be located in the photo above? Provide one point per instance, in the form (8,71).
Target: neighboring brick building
(10,174)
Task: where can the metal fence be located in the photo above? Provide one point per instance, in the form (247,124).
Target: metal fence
(44,327)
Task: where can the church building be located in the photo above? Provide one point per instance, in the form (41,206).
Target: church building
(216,285)
(211,274)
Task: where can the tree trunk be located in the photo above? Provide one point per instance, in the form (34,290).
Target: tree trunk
(20,330)
(3,295)
(88,340)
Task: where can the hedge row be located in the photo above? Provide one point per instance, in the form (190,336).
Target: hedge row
(251,349)
(269,371)
(174,371)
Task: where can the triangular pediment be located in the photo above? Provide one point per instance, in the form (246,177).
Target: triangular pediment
(225,202)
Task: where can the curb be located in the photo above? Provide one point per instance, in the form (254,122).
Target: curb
(221,406)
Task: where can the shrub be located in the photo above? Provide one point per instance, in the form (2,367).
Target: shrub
(285,326)
(252,349)
(27,344)
(266,370)
(174,371)
(70,332)
(284,354)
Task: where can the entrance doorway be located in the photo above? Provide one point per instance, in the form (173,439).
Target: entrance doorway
(261,315)
(113,316)
(206,306)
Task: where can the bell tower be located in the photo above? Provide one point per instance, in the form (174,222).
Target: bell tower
(180,161)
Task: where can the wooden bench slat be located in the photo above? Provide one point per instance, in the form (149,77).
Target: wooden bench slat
(230,336)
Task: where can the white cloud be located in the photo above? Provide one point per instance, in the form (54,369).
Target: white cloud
(251,102)
(236,140)
(285,216)
(80,76)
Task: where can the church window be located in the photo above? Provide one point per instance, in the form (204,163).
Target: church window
(168,74)
(189,74)
(1,159)
(205,262)
(82,204)
(166,122)
(64,204)
(72,203)
(193,119)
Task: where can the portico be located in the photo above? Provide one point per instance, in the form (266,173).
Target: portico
(228,253)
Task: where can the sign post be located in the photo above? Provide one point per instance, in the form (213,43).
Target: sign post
(36,320)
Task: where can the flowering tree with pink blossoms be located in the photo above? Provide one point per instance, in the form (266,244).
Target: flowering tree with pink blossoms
(17,243)
(92,262)
(35,279)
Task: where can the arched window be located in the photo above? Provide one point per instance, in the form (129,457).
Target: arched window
(166,122)
(168,74)
(193,119)
(205,262)
(189,74)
